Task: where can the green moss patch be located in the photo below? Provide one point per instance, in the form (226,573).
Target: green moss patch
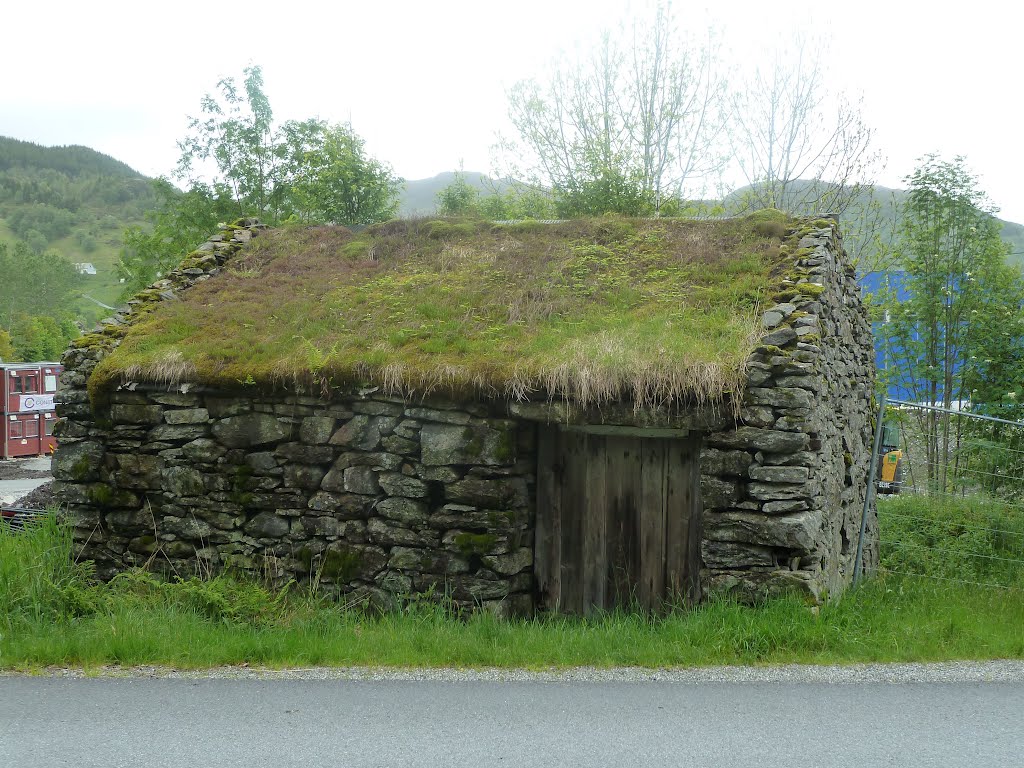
(595,310)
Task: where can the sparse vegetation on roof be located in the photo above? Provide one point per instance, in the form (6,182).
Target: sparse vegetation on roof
(594,310)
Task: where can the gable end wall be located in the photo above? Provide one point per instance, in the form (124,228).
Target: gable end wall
(784,490)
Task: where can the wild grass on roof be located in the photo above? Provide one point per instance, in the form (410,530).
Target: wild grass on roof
(593,310)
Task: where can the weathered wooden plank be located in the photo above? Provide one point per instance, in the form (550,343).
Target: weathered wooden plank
(595,536)
(547,556)
(651,580)
(682,494)
(623,481)
(695,524)
(572,449)
(675,519)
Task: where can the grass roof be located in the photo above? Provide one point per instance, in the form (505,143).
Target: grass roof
(593,310)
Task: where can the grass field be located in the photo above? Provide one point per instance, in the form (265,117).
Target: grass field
(53,613)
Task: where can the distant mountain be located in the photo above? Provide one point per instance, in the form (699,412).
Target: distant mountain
(419,197)
(72,200)
(881,216)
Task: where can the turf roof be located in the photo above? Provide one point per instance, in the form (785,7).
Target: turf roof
(594,310)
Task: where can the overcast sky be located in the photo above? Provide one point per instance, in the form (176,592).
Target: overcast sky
(424,82)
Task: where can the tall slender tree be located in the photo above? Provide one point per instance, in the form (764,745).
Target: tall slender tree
(235,131)
(801,145)
(960,327)
(625,129)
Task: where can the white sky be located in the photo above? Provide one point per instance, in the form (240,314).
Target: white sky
(424,82)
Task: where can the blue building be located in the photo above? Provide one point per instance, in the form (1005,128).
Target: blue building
(873,284)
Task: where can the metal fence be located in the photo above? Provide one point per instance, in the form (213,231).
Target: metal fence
(949,486)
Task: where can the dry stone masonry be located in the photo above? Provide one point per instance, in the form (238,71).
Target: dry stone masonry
(370,495)
(784,491)
(380,498)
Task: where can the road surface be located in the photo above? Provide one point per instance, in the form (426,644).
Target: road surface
(47,722)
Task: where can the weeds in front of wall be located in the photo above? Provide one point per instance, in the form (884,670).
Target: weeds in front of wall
(53,612)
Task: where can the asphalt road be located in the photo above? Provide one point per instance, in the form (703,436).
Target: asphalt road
(50,722)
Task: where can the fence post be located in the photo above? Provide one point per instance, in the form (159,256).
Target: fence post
(869,493)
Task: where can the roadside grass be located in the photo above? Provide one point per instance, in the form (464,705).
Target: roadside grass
(53,613)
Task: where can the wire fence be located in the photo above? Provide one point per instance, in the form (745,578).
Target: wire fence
(950,496)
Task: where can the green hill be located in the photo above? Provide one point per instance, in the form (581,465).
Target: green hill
(419,196)
(72,200)
(874,211)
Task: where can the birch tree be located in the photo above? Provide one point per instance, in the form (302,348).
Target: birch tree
(625,129)
(801,145)
(960,327)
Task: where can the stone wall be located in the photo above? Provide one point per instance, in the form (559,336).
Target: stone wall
(369,495)
(378,497)
(784,490)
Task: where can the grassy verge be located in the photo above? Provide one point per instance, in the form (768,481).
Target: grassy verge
(51,613)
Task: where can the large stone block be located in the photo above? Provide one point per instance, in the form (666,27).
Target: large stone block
(78,462)
(496,493)
(183,481)
(377,460)
(304,476)
(317,430)
(768,440)
(187,416)
(344,506)
(397,484)
(268,525)
(426,561)
(725,555)
(444,444)
(203,450)
(361,432)
(754,587)
(728,463)
(779,491)
(405,511)
(514,562)
(718,493)
(796,531)
(355,480)
(136,414)
(386,534)
(780,397)
(443,417)
(176,433)
(190,527)
(251,429)
(776,474)
(471,518)
(305,454)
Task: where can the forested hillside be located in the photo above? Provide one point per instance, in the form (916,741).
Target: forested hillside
(72,200)
(60,206)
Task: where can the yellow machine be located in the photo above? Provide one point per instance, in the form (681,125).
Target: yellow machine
(891,472)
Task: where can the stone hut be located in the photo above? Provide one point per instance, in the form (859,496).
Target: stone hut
(558,416)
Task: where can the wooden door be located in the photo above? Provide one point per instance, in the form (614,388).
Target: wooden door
(618,519)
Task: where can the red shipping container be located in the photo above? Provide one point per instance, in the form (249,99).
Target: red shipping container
(27,408)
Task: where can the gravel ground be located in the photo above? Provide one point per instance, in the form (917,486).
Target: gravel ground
(1003,671)
(40,498)
(12,490)
(23,469)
